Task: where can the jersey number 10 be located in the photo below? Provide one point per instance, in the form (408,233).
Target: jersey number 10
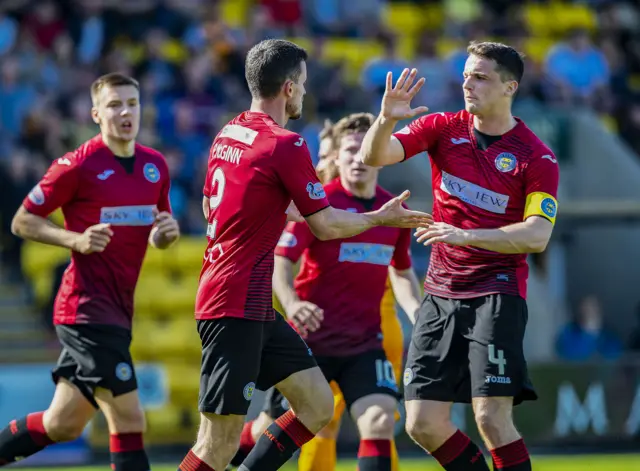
(218,183)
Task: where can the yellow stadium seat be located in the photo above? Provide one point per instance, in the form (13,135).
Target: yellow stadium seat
(445,46)
(536,48)
(305,43)
(407,47)
(155,339)
(171,425)
(404,18)
(184,382)
(434,16)
(538,18)
(568,16)
(234,12)
(354,53)
(164,295)
(38,259)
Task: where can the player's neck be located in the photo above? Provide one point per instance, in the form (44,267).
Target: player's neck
(495,125)
(271,107)
(364,190)
(119,147)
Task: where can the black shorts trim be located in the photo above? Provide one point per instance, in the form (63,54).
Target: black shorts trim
(95,356)
(464,348)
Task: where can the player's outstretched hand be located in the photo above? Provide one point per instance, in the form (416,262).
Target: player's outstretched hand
(94,239)
(396,101)
(394,214)
(305,316)
(442,232)
(293,215)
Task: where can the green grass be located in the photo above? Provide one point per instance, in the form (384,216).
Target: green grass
(555,463)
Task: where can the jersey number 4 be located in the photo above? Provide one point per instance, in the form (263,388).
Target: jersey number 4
(218,183)
(498,359)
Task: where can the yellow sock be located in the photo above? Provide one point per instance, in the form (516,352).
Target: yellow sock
(318,455)
(395,460)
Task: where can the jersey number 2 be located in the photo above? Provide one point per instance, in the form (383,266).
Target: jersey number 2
(218,182)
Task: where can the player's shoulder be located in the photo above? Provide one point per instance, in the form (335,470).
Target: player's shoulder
(536,148)
(83,153)
(442,119)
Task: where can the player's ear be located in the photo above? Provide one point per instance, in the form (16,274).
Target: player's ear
(94,115)
(512,88)
(289,88)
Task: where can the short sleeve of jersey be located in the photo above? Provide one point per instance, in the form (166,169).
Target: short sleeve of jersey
(542,177)
(56,188)
(421,134)
(164,203)
(295,239)
(402,254)
(297,174)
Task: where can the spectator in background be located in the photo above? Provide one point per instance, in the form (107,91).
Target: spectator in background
(8,32)
(577,70)
(439,90)
(586,338)
(374,74)
(634,339)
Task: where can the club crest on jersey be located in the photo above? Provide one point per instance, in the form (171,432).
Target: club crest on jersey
(408,376)
(36,196)
(315,190)
(248,390)
(549,207)
(287,239)
(151,172)
(506,162)
(123,371)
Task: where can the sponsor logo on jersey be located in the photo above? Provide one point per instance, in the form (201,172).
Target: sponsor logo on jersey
(128,215)
(460,140)
(549,207)
(474,194)
(106,174)
(287,239)
(123,371)
(151,172)
(36,195)
(550,158)
(376,254)
(506,162)
(64,161)
(239,133)
(315,190)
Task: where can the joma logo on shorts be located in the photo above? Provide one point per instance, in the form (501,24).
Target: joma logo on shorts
(497,379)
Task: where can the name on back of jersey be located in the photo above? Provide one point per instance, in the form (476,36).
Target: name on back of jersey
(227,152)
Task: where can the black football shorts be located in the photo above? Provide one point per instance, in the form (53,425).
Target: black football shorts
(464,348)
(357,376)
(240,355)
(96,355)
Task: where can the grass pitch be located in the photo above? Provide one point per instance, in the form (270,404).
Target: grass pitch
(541,463)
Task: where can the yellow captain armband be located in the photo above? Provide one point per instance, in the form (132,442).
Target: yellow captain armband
(541,204)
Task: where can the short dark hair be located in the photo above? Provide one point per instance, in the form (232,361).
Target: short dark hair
(351,124)
(510,62)
(114,79)
(270,63)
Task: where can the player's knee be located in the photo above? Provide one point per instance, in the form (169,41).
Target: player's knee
(323,405)
(128,419)
(491,422)
(377,422)
(425,431)
(63,427)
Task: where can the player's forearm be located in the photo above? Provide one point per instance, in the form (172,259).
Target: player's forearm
(343,224)
(512,239)
(375,146)
(406,289)
(283,282)
(38,229)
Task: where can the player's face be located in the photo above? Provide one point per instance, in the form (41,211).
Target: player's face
(117,111)
(295,92)
(350,167)
(484,91)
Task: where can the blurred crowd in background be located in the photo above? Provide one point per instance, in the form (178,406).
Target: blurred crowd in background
(189,58)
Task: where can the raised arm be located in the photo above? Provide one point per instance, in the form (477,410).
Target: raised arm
(379,147)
